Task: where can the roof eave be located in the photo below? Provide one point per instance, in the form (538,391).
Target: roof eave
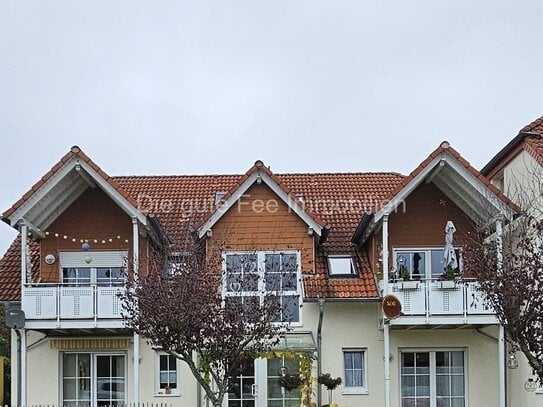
(496,160)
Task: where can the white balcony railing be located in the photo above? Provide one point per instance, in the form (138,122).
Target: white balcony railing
(433,298)
(71,302)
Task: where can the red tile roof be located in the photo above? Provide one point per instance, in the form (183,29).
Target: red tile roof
(529,138)
(259,166)
(446,147)
(75,151)
(338,199)
(10,266)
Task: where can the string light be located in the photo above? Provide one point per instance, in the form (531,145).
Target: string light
(82,240)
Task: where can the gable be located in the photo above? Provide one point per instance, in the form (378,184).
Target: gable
(93,217)
(422,220)
(259,174)
(262,221)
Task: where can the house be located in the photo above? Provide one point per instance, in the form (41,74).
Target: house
(517,169)
(355,237)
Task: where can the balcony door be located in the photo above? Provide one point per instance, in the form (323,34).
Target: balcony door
(422,263)
(433,379)
(90,379)
(259,385)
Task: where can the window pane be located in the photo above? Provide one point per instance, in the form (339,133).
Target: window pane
(412,263)
(354,374)
(442,386)
(290,282)
(408,386)
(457,385)
(340,265)
(273,281)
(291,308)
(437,263)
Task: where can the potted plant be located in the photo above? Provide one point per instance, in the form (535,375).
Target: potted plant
(448,278)
(405,279)
(330,383)
(290,381)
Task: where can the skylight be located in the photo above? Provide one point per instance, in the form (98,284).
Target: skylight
(341,266)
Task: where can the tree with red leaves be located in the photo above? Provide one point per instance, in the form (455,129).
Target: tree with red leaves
(510,272)
(181,309)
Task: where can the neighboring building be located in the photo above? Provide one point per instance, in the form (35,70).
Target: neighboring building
(517,169)
(351,235)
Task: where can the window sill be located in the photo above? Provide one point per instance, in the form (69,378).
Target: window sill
(177,394)
(354,391)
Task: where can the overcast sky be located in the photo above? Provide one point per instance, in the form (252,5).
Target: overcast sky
(178,87)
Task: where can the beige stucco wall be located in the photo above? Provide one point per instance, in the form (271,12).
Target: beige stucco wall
(523,178)
(517,396)
(345,325)
(356,325)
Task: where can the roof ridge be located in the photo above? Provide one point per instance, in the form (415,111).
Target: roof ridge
(354,173)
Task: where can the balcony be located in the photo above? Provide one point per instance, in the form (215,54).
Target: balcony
(58,306)
(436,302)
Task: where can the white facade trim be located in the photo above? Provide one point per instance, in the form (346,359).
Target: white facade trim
(239,193)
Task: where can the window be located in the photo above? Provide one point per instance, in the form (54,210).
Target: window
(421,263)
(433,378)
(175,263)
(277,395)
(166,381)
(354,363)
(93,379)
(341,266)
(249,278)
(498,181)
(85,268)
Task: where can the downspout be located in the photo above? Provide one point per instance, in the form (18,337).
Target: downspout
(135,259)
(319,350)
(19,364)
(21,333)
(386,333)
(501,343)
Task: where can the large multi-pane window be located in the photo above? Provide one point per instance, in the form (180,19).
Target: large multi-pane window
(433,379)
(354,362)
(93,379)
(251,278)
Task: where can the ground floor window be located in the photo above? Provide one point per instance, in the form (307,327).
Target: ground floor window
(259,384)
(90,379)
(433,378)
(354,363)
(167,374)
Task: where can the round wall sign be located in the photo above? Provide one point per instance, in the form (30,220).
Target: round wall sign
(392,307)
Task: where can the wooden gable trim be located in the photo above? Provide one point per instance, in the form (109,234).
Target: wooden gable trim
(256,177)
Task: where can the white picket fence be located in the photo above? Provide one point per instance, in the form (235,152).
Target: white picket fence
(117,405)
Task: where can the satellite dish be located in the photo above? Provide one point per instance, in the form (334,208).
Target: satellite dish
(15,318)
(392,307)
(50,259)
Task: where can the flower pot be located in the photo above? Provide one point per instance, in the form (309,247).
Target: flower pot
(408,285)
(447,284)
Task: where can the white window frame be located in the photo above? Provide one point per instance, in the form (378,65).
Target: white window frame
(158,391)
(261,268)
(356,389)
(93,373)
(103,259)
(332,259)
(433,390)
(428,259)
